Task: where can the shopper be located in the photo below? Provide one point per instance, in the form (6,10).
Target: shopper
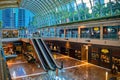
(114,69)
(61,64)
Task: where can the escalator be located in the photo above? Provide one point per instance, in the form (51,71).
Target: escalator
(48,54)
(40,55)
(47,58)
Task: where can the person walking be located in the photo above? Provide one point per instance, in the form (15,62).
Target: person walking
(114,69)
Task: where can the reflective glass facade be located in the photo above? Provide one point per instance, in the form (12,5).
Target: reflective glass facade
(8,18)
(15,17)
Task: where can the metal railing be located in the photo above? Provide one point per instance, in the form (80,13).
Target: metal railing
(95,36)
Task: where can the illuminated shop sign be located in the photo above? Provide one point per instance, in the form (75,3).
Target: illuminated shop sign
(105,51)
(96,28)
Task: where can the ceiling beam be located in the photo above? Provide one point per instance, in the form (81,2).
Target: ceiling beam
(4,3)
(9,3)
(13,5)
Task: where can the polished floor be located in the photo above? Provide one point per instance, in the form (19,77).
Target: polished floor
(72,70)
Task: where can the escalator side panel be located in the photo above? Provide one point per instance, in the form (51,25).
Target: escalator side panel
(49,53)
(45,54)
(40,56)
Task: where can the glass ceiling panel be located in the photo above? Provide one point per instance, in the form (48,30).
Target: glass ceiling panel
(106,1)
(54,12)
(78,2)
(43,8)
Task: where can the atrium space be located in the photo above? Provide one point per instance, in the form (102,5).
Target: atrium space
(59,39)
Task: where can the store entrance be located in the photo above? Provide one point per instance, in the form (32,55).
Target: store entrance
(84,53)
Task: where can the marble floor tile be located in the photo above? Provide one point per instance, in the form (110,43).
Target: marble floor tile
(72,70)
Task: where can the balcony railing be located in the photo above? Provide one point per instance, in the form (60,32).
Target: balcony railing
(95,36)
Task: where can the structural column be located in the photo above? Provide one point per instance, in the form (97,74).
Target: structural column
(79,31)
(101,32)
(0,37)
(64,33)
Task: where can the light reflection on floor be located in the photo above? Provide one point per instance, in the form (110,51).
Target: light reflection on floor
(73,70)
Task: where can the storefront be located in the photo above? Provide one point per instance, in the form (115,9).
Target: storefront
(101,55)
(104,56)
(8,33)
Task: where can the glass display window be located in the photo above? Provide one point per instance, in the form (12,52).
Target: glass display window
(94,54)
(85,32)
(110,32)
(9,33)
(72,33)
(116,57)
(105,55)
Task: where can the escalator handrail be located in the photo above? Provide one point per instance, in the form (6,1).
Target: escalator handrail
(50,54)
(38,55)
(47,54)
(44,55)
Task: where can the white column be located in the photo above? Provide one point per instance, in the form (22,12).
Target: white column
(101,32)
(64,33)
(79,31)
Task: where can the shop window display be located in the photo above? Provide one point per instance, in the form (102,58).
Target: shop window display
(10,33)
